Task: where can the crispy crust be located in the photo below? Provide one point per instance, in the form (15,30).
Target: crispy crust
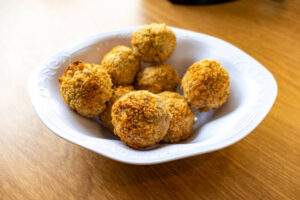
(140,119)
(182,121)
(153,43)
(118,92)
(121,64)
(86,88)
(157,78)
(206,85)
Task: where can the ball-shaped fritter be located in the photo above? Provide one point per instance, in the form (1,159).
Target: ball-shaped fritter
(153,43)
(157,78)
(206,85)
(182,121)
(121,64)
(86,88)
(140,119)
(118,92)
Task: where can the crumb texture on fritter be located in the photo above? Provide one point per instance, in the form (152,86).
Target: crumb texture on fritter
(118,92)
(140,119)
(86,88)
(121,64)
(157,78)
(206,85)
(153,43)
(182,121)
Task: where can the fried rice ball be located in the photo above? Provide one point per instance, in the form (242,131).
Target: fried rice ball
(157,78)
(118,92)
(153,43)
(182,121)
(121,64)
(140,119)
(86,88)
(206,85)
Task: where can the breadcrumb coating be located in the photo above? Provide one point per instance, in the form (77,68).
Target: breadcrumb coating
(206,85)
(118,92)
(153,43)
(121,64)
(157,78)
(140,119)
(182,121)
(86,88)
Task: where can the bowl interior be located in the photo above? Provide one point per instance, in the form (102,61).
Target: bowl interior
(210,126)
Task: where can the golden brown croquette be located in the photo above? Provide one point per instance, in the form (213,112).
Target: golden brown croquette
(86,88)
(153,43)
(121,64)
(206,85)
(157,78)
(182,121)
(140,119)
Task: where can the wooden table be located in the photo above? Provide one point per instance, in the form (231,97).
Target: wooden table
(36,164)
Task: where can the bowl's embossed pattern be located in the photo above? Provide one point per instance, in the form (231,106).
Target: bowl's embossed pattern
(254,89)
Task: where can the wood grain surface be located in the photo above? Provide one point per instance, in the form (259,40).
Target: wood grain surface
(36,164)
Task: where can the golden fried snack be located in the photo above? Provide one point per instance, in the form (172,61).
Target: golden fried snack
(121,64)
(182,121)
(153,43)
(86,88)
(206,85)
(157,78)
(118,92)
(140,119)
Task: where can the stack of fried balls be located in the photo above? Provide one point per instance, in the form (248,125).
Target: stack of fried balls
(141,105)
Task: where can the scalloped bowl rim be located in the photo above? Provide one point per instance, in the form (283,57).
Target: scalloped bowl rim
(101,146)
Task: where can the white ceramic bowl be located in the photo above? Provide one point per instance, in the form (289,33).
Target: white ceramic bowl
(253,91)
